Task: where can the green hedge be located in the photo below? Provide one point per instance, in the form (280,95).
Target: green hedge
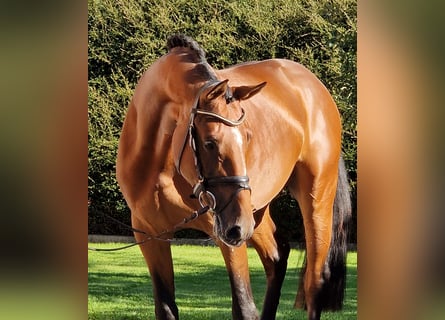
(125,37)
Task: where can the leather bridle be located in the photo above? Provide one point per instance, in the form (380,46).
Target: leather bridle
(200,189)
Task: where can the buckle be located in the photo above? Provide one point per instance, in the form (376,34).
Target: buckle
(206,198)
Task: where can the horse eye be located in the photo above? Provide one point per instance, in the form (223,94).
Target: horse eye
(210,145)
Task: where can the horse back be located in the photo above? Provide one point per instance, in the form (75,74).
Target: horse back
(293,120)
(293,92)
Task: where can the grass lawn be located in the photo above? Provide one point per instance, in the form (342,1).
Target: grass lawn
(119,286)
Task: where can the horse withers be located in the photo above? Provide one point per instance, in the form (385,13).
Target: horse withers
(228,141)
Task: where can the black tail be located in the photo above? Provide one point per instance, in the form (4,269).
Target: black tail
(332,293)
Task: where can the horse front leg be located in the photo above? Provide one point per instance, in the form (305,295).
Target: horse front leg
(243,305)
(273,251)
(158,257)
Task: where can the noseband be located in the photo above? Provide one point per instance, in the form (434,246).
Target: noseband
(200,189)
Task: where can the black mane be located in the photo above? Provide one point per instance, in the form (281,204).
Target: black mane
(202,70)
(181,40)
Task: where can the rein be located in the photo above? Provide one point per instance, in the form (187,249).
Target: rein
(148,237)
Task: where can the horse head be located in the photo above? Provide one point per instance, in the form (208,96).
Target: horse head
(220,138)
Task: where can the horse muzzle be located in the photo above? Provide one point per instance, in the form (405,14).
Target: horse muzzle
(234,222)
(233,234)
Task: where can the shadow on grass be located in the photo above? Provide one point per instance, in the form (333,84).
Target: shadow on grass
(202,292)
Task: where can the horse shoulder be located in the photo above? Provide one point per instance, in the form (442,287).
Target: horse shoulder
(145,142)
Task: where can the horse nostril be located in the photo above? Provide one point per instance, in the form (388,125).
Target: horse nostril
(234,233)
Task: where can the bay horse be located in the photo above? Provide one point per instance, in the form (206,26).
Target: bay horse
(233,139)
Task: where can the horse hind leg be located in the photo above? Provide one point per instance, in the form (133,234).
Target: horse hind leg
(335,280)
(315,194)
(273,251)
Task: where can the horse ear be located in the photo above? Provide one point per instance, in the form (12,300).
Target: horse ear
(217,90)
(246,92)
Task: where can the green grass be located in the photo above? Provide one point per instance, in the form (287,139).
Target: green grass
(119,286)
